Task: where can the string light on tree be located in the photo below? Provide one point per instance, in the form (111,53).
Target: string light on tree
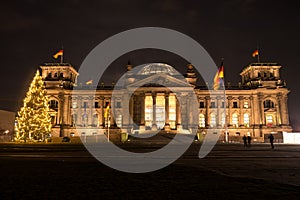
(33,120)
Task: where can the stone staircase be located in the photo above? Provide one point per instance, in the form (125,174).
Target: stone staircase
(162,137)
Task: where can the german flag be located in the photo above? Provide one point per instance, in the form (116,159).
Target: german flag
(255,53)
(90,82)
(59,53)
(219,78)
(106,111)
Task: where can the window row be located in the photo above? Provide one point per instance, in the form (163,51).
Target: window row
(94,121)
(213,120)
(235,104)
(214,104)
(96,105)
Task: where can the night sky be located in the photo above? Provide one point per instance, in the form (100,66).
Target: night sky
(32,31)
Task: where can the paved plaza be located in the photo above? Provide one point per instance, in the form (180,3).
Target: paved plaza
(230,171)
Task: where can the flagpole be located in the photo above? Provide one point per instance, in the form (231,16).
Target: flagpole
(258,60)
(226,123)
(62,55)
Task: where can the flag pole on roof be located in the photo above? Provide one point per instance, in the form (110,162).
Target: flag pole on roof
(256,54)
(61,54)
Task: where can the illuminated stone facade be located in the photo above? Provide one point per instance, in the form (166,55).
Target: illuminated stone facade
(256,107)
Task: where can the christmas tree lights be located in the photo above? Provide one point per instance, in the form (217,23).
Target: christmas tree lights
(33,120)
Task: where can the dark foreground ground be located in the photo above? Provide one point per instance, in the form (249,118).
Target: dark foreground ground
(68,171)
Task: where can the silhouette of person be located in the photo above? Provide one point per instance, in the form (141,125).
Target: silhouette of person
(245,140)
(271,137)
(249,140)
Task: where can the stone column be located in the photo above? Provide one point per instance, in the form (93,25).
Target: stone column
(261,109)
(278,108)
(219,117)
(178,113)
(102,121)
(252,116)
(131,109)
(67,111)
(241,116)
(285,113)
(112,118)
(167,123)
(154,126)
(207,111)
(125,113)
(142,110)
(91,114)
(80,106)
(61,101)
(142,98)
(229,98)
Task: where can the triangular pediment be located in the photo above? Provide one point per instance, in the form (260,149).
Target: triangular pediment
(160,80)
(269,110)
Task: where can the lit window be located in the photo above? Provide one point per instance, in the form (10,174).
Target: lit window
(201,120)
(235,120)
(223,119)
(269,119)
(74,104)
(246,104)
(246,119)
(148,111)
(213,120)
(119,121)
(172,112)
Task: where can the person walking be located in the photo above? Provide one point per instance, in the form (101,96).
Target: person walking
(245,141)
(249,140)
(271,137)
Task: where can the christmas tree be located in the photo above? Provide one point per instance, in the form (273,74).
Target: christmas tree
(33,120)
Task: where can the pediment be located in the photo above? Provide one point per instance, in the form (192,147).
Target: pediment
(269,110)
(160,80)
(52,110)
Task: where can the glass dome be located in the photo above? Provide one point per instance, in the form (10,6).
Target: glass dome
(155,68)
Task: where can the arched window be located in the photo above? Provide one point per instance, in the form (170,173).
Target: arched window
(74,104)
(53,104)
(95,120)
(235,120)
(269,104)
(213,120)
(84,119)
(119,120)
(269,119)
(201,120)
(223,119)
(246,120)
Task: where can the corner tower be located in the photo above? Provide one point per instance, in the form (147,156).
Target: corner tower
(59,75)
(265,75)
